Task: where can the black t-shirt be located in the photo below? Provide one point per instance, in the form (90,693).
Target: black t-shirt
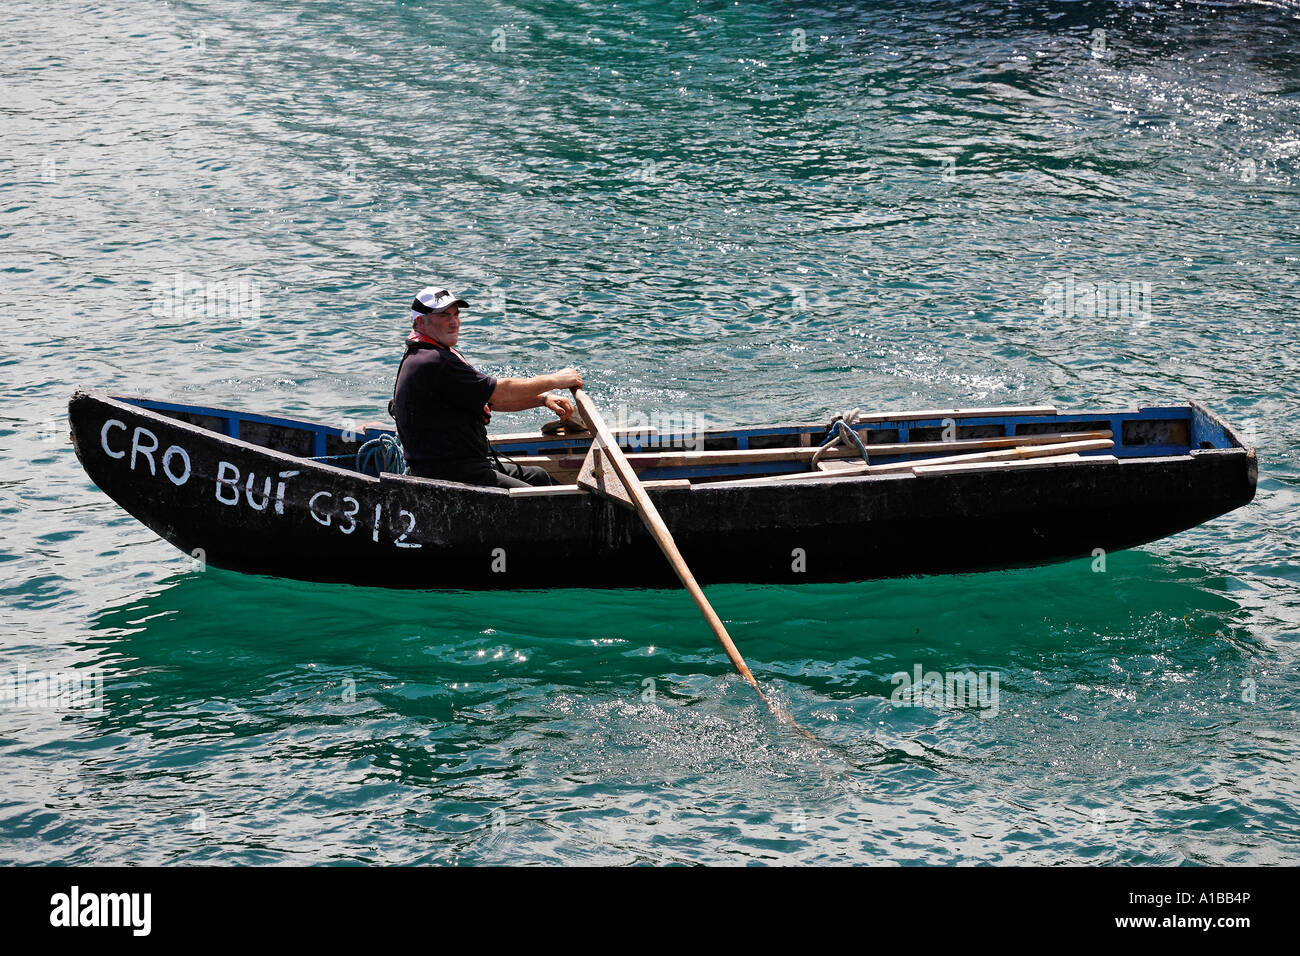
(438,406)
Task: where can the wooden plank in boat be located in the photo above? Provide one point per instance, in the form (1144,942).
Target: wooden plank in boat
(547,490)
(1011,465)
(1007,454)
(584,436)
(743,456)
(837,464)
(840,465)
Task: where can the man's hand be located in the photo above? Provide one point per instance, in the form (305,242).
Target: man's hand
(516,394)
(567,378)
(559,405)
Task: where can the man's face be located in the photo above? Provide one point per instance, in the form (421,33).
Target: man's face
(443,326)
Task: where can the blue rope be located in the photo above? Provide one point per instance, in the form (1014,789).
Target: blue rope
(380,455)
(847,434)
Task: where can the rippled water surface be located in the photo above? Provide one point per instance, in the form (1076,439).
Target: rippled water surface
(750,212)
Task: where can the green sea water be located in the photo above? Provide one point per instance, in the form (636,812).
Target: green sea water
(748,212)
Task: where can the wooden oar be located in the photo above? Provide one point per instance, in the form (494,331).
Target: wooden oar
(658,530)
(605,450)
(605,445)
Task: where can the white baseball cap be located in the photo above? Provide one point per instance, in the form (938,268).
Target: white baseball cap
(435,299)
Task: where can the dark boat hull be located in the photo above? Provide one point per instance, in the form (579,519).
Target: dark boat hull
(242,507)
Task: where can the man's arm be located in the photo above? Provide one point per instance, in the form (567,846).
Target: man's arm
(517,394)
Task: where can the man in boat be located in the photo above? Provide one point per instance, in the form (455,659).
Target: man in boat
(442,404)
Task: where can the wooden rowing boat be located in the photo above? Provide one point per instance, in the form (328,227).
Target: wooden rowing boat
(944,490)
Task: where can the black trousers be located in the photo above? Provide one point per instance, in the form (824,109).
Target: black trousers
(485,472)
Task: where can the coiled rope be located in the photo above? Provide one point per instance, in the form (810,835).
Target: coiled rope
(840,432)
(381,455)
